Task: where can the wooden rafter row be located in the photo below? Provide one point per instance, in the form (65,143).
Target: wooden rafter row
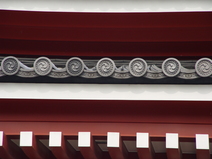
(31,147)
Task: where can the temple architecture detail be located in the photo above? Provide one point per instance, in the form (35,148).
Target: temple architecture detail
(106,67)
(105,79)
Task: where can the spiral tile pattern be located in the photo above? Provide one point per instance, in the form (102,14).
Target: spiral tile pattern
(10,65)
(171,67)
(138,67)
(42,66)
(203,67)
(75,66)
(105,67)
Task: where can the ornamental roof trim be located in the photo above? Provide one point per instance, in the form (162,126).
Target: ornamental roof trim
(106,67)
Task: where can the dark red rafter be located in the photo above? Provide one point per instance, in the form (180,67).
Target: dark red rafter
(37,150)
(5,149)
(64,151)
(146,153)
(203,154)
(118,152)
(91,152)
(174,153)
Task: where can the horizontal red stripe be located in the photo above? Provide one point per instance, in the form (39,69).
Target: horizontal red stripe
(71,129)
(158,34)
(68,19)
(175,112)
(116,50)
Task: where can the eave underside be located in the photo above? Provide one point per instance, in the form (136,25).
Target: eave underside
(177,34)
(128,109)
(99,117)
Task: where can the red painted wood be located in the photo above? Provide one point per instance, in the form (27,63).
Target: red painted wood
(15,150)
(203,154)
(5,149)
(33,151)
(70,19)
(115,50)
(146,153)
(118,152)
(101,34)
(95,35)
(65,151)
(117,34)
(100,129)
(174,154)
(178,112)
(92,152)
(37,150)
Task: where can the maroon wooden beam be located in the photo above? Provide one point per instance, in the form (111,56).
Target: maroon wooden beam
(89,34)
(68,19)
(4,147)
(173,154)
(97,129)
(132,111)
(115,50)
(116,147)
(32,147)
(173,149)
(59,148)
(202,146)
(144,146)
(28,143)
(88,148)
(203,154)
(160,34)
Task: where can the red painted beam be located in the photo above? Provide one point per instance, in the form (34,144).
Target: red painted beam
(115,146)
(4,147)
(174,154)
(173,149)
(174,112)
(145,153)
(117,153)
(33,148)
(68,19)
(31,151)
(202,146)
(144,146)
(89,34)
(8,149)
(203,154)
(60,149)
(115,50)
(160,34)
(101,128)
(88,148)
